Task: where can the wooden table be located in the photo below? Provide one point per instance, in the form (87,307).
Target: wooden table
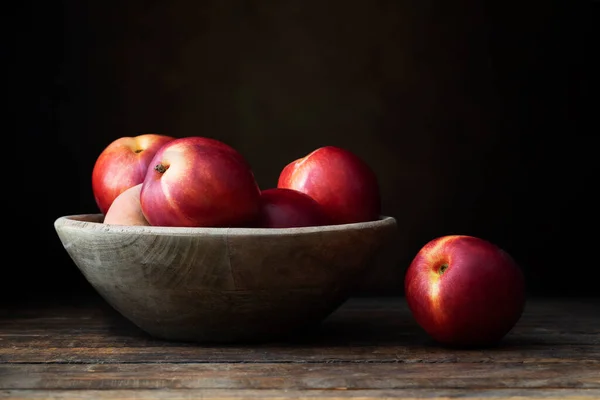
(370,348)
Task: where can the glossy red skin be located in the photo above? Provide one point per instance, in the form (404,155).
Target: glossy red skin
(288,208)
(126,209)
(123,164)
(344,185)
(207,184)
(475,302)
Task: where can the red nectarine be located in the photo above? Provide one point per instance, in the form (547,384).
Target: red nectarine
(339,180)
(199,182)
(464,291)
(288,208)
(123,164)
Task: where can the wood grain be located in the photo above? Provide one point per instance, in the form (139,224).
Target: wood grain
(223,284)
(365,329)
(302,376)
(225,394)
(369,348)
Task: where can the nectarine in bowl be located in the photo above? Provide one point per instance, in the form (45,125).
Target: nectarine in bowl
(223,284)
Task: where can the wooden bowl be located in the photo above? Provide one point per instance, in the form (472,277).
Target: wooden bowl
(222,284)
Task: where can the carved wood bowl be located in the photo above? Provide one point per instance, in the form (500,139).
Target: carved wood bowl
(222,284)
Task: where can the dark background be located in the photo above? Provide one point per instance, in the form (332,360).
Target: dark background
(477,117)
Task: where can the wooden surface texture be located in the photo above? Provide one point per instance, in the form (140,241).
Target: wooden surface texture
(369,348)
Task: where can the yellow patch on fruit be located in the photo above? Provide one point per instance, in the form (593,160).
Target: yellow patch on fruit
(436,301)
(441,265)
(435,293)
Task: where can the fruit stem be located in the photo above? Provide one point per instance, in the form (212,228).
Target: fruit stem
(160,168)
(442,269)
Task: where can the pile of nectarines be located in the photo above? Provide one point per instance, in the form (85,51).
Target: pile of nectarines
(195,181)
(461,290)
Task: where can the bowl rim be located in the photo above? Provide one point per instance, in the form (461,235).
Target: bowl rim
(87,222)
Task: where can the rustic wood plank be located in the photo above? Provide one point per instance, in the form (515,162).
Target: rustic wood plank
(364,316)
(513,353)
(220,394)
(357,376)
(364,330)
(370,348)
